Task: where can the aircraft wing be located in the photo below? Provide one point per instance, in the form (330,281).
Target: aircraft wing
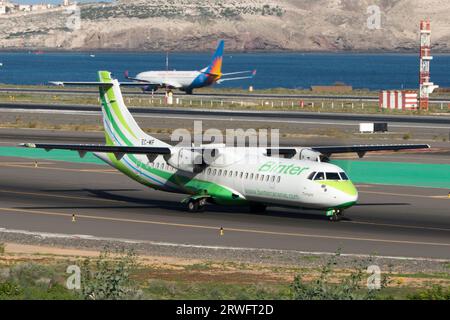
(172,84)
(97,84)
(139,80)
(119,151)
(368,148)
(361,150)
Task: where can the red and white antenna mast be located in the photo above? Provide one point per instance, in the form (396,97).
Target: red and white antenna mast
(426,86)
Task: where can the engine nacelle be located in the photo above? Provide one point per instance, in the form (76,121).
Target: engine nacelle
(186,159)
(310,155)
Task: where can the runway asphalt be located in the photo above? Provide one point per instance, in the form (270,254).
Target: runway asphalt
(388,220)
(253,116)
(212,95)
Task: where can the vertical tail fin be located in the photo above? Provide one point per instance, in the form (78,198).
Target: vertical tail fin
(120,127)
(215,67)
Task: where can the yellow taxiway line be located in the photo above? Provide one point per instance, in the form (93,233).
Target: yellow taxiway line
(124,201)
(238,230)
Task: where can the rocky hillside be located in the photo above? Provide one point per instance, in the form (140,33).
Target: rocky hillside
(195,25)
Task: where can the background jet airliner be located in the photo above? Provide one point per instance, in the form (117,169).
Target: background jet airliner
(256,177)
(187,81)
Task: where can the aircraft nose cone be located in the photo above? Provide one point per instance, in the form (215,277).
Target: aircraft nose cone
(351,194)
(345,193)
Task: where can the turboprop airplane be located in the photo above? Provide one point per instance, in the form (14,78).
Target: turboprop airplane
(256,177)
(187,81)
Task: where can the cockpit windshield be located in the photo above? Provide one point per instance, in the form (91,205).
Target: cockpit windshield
(343,176)
(336,176)
(320,176)
(333,176)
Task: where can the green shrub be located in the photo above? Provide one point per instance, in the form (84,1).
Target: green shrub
(31,274)
(29,281)
(2,249)
(436,292)
(109,277)
(352,286)
(9,290)
(163,289)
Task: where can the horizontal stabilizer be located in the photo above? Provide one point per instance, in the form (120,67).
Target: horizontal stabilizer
(253,72)
(233,79)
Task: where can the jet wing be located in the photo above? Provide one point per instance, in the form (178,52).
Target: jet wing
(82,149)
(172,84)
(98,84)
(139,80)
(361,150)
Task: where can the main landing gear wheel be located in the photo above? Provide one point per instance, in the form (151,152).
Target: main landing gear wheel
(196,205)
(337,215)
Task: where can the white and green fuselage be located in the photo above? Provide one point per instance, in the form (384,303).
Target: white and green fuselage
(236,180)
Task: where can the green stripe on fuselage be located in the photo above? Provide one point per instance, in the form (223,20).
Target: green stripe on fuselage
(105,77)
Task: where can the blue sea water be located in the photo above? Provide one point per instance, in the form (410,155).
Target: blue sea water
(288,70)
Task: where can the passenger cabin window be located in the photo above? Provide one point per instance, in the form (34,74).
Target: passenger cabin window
(278,179)
(231,174)
(320,176)
(209,171)
(343,176)
(333,176)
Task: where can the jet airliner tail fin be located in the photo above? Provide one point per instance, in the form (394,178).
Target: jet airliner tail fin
(215,67)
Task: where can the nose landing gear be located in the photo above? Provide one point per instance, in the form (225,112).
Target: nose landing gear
(335,214)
